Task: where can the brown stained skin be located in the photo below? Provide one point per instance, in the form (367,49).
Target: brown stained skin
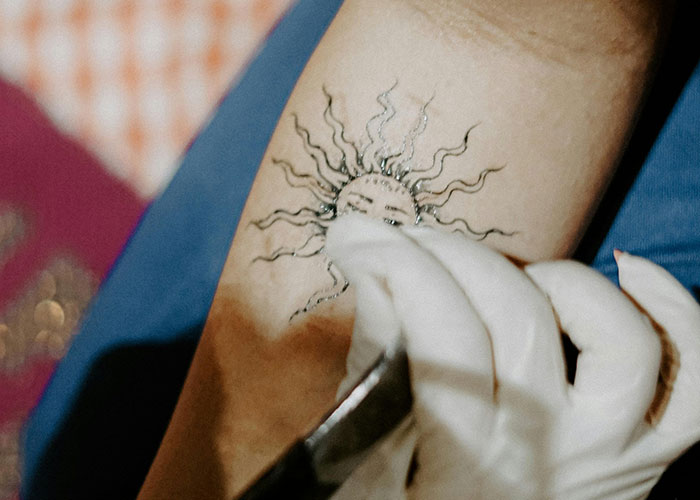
(260,392)
(190,465)
(280,387)
(555,88)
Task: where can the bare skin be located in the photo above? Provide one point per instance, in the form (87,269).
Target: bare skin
(553,88)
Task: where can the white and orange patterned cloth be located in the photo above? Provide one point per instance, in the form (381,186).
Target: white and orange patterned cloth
(132,80)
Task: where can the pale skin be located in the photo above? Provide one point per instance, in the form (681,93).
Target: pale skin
(554,88)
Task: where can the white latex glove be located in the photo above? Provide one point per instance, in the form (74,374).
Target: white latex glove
(495,415)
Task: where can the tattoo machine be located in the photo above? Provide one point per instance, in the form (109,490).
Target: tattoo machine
(317,464)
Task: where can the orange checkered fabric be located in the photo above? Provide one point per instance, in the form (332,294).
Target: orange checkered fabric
(132,80)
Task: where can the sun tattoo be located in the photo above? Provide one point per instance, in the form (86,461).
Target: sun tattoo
(371,178)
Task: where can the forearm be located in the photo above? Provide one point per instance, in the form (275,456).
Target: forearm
(548,94)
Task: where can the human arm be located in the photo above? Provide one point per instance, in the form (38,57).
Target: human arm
(553,107)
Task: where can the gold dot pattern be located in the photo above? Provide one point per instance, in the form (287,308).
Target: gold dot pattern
(49,315)
(43,321)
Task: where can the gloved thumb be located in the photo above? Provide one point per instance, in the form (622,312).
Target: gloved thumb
(672,307)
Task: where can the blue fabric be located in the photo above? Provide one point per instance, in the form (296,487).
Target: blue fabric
(660,217)
(161,288)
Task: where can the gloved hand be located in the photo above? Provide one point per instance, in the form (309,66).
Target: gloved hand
(495,416)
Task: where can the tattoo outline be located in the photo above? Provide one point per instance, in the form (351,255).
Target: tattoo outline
(369,178)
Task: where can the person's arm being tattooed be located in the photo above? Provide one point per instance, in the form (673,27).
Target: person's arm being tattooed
(500,119)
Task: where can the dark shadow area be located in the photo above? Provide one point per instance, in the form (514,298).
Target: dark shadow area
(696,292)
(680,57)
(108,440)
(680,481)
(571,353)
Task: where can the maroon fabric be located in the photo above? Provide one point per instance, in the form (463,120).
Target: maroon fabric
(71,202)
(70,206)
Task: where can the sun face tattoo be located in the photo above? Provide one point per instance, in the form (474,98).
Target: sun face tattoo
(372,179)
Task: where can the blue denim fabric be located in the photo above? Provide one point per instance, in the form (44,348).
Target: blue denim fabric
(660,217)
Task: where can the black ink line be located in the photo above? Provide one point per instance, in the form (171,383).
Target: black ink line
(385,116)
(312,185)
(283,218)
(457,185)
(327,294)
(312,150)
(339,129)
(409,141)
(293,252)
(362,196)
(442,153)
(468,229)
(395,209)
(355,208)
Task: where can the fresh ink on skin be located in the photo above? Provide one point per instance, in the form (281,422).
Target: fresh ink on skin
(372,179)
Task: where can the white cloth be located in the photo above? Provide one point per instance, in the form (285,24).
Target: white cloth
(494,414)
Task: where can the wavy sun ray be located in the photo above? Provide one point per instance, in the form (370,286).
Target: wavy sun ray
(373,179)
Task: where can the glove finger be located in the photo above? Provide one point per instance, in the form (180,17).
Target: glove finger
(676,311)
(528,355)
(376,327)
(448,348)
(620,353)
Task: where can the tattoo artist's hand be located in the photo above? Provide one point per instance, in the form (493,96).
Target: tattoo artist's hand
(494,414)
